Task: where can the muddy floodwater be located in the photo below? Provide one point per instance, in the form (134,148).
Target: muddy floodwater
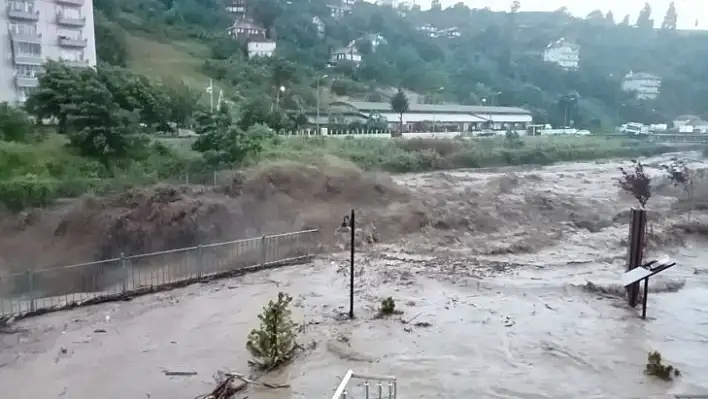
(494,297)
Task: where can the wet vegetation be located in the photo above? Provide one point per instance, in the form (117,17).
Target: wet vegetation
(656,369)
(273,343)
(636,182)
(388,307)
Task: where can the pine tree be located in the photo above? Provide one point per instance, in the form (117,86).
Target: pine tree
(670,18)
(273,343)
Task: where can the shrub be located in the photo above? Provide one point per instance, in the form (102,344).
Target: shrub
(274,342)
(655,368)
(388,307)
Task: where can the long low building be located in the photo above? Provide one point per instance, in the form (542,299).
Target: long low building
(423,117)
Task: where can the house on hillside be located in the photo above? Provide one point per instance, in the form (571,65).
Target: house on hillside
(435,32)
(349,53)
(427,29)
(564,53)
(246,29)
(319,26)
(339,11)
(237,8)
(647,86)
(261,47)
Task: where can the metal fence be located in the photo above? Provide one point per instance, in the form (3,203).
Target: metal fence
(56,288)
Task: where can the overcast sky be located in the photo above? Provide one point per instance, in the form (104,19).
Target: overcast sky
(688,10)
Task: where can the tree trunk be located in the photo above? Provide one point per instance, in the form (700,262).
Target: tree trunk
(400,125)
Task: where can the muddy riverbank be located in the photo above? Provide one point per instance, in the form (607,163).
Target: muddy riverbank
(498,279)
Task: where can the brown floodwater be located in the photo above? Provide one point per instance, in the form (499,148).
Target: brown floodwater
(508,313)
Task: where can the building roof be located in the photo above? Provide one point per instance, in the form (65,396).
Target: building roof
(561,43)
(641,75)
(246,24)
(348,49)
(433,108)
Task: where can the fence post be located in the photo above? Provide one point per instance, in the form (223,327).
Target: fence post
(200,261)
(30,281)
(263,250)
(124,271)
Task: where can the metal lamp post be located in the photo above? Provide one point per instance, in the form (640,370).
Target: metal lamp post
(349,221)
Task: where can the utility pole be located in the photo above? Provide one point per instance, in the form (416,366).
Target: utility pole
(317,122)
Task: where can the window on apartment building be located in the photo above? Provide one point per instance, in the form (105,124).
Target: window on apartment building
(22,5)
(28,71)
(70,33)
(23,29)
(25,92)
(71,55)
(69,12)
(28,49)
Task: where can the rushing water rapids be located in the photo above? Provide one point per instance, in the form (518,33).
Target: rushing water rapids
(489,312)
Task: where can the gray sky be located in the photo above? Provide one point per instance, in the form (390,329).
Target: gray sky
(688,10)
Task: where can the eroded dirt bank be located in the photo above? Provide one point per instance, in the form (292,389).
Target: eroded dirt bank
(496,261)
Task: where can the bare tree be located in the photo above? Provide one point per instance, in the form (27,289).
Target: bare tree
(636,182)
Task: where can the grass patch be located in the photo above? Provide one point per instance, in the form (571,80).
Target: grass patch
(418,155)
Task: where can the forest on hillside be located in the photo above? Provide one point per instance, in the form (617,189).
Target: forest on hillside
(497,55)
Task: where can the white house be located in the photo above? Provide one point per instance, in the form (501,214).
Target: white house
(348,53)
(564,53)
(261,48)
(246,29)
(646,85)
(339,11)
(320,26)
(238,8)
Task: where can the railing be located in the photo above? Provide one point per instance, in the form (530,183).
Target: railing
(41,290)
(379,380)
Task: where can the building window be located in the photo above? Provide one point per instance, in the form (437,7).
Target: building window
(70,34)
(28,71)
(28,49)
(25,92)
(72,55)
(20,5)
(23,29)
(67,12)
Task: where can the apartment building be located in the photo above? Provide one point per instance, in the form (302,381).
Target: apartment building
(34,31)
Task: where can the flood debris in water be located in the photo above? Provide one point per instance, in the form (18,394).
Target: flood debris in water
(655,368)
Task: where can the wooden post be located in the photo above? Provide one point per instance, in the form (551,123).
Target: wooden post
(351,266)
(637,232)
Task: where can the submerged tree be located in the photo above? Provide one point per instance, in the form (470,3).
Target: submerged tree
(655,368)
(680,175)
(274,342)
(636,182)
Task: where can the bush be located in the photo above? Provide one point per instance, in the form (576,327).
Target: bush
(388,307)
(274,342)
(655,368)
(15,124)
(636,182)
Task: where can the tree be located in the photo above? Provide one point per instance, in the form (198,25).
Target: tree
(625,20)
(223,143)
(679,174)
(610,18)
(273,343)
(400,105)
(636,183)
(53,97)
(15,124)
(436,6)
(671,18)
(266,12)
(644,20)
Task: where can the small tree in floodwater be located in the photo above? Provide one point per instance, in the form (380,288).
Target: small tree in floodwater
(273,343)
(636,182)
(680,175)
(655,368)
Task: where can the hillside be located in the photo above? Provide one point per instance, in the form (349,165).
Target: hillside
(496,58)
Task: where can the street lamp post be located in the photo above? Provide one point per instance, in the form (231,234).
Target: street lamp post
(318,103)
(435,102)
(281,89)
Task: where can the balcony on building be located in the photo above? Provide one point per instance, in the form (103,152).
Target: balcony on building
(77,21)
(26,81)
(66,41)
(26,37)
(71,2)
(82,63)
(27,59)
(22,14)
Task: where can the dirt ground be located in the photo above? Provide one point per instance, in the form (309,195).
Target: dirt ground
(491,269)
